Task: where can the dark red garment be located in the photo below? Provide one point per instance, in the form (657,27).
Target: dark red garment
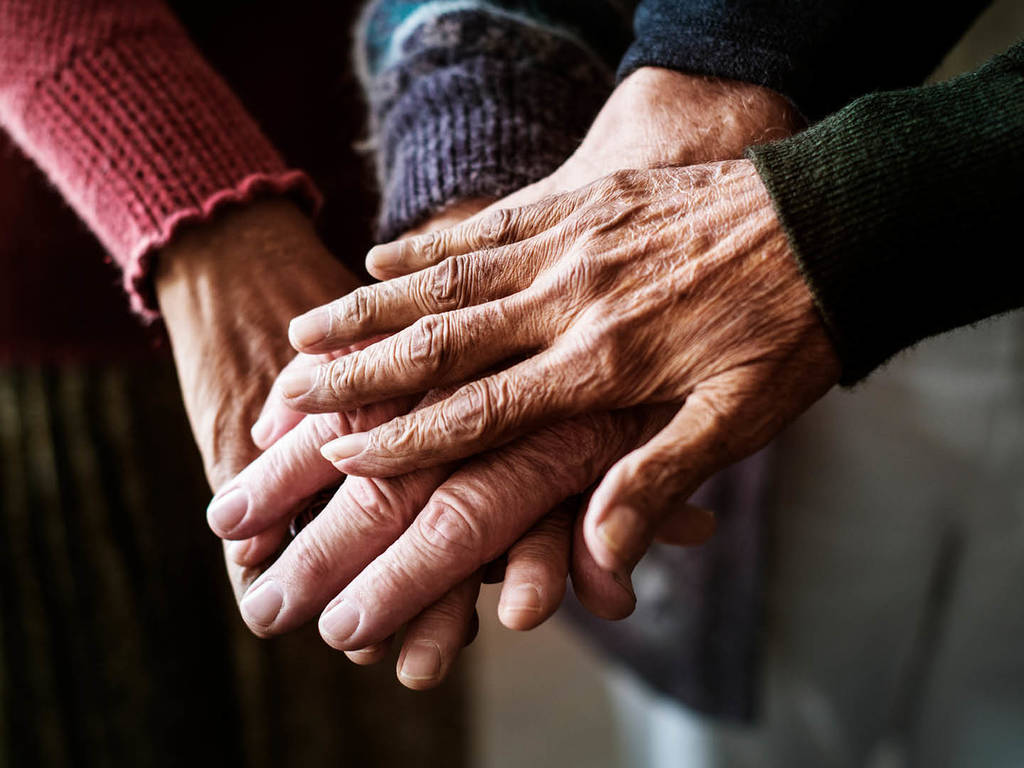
(290,69)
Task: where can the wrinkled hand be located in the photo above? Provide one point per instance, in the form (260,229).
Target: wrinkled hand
(385,551)
(226,290)
(299,585)
(656,117)
(674,285)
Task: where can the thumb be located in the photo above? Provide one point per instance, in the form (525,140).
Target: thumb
(644,493)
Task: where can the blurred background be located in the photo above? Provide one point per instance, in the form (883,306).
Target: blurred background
(119,639)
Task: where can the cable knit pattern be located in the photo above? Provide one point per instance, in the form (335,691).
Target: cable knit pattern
(114,103)
(478,99)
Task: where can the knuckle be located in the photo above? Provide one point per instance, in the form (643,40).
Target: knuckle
(427,344)
(473,411)
(429,248)
(575,277)
(497,227)
(357,309)
(337,376)
(376,508)
(443,287)
(447,529)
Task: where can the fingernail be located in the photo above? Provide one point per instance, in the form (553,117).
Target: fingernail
(339,622)
(296,382)
(618,530)
(262,429)
(226,512)
(388,257)
(524,598)
(310,328)
(422,661)
(345,447)
(262,606)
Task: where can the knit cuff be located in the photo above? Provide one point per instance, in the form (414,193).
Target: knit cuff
(898,209)
(480,129)
(481,110)
(142,138)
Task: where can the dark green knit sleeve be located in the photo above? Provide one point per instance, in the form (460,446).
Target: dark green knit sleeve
(904,209)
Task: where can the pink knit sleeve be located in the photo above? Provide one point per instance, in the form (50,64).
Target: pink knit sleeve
(140,135)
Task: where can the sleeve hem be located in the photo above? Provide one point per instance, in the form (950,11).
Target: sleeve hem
(138,268)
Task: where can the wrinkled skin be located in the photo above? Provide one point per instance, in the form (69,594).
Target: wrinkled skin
(655,117)
(673,285)
(227,335)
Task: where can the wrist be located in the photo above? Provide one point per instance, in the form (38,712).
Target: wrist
(263,260)
(658,117)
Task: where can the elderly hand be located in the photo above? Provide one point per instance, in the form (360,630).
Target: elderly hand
(411,548)
(225,314)
(672,285)
(655,117)
(301,582)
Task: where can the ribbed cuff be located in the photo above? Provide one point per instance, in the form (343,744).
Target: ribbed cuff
(478,104)
(142,137)
(899,208)
(482,128)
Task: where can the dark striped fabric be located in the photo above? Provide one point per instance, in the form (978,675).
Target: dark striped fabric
(119,640)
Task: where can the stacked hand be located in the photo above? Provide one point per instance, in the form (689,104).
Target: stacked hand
(645,329)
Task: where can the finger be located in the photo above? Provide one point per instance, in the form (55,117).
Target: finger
(633,499)
(240,577)
(434,351)
(606,594)
(371,654)
(259,548)
(482,509)
(488,229)
(609,594)
(435,638)
(458,282)
(268,491)
(478,416)
(276,417)
(359,523)
(538,565)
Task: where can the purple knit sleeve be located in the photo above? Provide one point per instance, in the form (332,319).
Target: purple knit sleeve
(478,101)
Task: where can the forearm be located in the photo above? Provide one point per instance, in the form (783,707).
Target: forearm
(227,289)
(819,54)
(118,108)
(900,208)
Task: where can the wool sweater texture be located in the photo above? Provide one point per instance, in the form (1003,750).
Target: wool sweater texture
(478,98)
(903,207)
(139,134)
